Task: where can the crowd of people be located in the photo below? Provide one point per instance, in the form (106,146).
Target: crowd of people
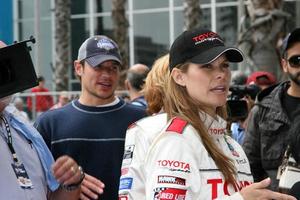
(174,138)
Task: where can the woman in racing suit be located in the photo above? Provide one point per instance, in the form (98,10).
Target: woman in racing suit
(190,157)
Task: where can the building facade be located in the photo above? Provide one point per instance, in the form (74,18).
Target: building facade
(153,25)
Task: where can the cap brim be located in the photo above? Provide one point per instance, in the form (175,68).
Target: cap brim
(98,59)
(210,55)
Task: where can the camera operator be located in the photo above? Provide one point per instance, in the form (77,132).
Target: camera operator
(28,169)
(257,81)
(262,79)
(239,103)
(271,118)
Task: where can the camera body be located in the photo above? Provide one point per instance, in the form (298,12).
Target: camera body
(237,107)
(16,69)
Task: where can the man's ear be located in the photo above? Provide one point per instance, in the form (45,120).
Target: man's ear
(127,84)
(78,67)
(284,65)
(178,76)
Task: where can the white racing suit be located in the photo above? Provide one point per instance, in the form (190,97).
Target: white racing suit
(169,162)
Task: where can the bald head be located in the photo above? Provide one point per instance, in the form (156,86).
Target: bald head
(139,69)
(2,44)
(136,76)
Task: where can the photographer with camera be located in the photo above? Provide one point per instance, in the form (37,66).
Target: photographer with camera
(239,103)
(262,79)
(271,118)
(27,169)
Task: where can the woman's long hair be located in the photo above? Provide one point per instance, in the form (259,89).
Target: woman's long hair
(179,103)
(154,85)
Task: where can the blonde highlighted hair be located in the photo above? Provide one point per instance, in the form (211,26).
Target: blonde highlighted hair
(154,84)
(179,103)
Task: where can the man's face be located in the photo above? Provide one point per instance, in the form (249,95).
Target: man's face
(99,83)
(290,65)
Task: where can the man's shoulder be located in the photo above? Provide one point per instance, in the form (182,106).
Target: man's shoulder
(271,91)
(140,101)
(133,108)
(35,89)
(57,113)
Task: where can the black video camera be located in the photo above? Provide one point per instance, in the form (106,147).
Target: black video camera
(16,68)
(237,107)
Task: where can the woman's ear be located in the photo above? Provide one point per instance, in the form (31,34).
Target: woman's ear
(178,76)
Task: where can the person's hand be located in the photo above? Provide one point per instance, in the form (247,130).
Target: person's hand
(67,171)
(91,187)
(258,191)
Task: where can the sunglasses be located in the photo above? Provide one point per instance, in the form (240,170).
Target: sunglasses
(294,61)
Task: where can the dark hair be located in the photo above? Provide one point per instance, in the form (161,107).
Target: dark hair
(40,78)
(289,41)
(239,79)
(136,80)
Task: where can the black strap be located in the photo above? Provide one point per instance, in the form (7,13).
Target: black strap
(9,139)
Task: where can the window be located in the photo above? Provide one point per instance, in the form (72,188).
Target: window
(151,36)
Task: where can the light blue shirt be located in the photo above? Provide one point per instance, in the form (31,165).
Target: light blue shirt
(29,132)
(238,132)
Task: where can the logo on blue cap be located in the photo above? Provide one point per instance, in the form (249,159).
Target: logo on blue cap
(105,44)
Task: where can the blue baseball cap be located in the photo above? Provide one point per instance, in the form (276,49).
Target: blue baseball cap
(98,49)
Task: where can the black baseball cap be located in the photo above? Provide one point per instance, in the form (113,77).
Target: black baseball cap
(98,49)
(201,46)
(290,39)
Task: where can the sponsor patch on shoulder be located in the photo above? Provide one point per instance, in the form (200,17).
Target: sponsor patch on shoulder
(123,197)
(128,154)
(170,180)
(164,193)
(124,171)
(125,183)
(175,165)
(177,125)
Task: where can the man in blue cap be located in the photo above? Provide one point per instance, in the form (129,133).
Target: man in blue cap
(28,170)
(92,128)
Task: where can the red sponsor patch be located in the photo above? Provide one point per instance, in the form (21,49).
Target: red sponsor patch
(169,194)
(123,197)
(177,125)
(124,171)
